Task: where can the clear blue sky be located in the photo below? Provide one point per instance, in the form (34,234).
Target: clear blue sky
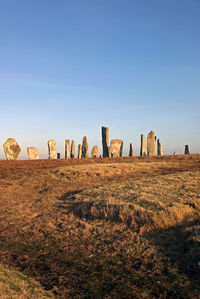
(69,67)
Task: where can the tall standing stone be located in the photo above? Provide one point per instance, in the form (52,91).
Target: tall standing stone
(52,149)
(58,155)
(11,149)
(79,151)
(105,141)
(159,148)
(67,149)
(151,144)
(33,153)
(131,154)
(95,151)
(115,149)
(143,149)
(187,149)
(85,148)
(73,149)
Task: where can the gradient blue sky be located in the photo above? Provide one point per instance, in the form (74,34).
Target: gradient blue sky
(69,67)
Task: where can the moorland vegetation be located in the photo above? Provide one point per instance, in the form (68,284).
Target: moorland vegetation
(104,228)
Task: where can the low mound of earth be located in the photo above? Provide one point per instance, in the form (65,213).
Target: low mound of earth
(105,228)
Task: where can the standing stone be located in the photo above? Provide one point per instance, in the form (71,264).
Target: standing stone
(131,154)
(52,149)
(73,149)
(79,151)
(187,149)
(115,149)
(67,149)
(151,144)
(143,149)
(85,148)
(33,153)
(58,155)
(105,141)
(11,149)
(95,151)
(159,148)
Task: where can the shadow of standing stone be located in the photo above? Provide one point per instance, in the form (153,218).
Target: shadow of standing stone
(180,245)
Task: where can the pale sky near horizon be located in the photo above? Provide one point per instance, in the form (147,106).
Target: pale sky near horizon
(69,67)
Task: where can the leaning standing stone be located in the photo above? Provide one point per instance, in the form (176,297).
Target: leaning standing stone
(67,149)
(95,151)
(79,151)
(73,149)
(143,149)
(159,148)
(187,149)
(105,141)
(11,149)
(52,149)
(33,153)
(151,144)
(115,149)
(131,154)
(85,148)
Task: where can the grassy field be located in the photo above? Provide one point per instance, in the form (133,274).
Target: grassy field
(100,228)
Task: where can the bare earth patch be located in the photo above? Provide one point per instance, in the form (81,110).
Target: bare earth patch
(120,228)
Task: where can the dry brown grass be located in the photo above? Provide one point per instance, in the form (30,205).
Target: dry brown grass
(16,285)
(121,228)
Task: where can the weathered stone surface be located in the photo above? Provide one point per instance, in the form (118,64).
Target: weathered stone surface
(115,149)
(143,148)
(79,151)
(33,153)
(95,151)
(105,141)
(159,148)
(85,148)
(52,149)
(73,149)
(151,144)
(67,149)
(131,154)
(187,149)
(58,155)
(11,149)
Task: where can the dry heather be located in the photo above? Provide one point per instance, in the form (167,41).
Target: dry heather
(121,228)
